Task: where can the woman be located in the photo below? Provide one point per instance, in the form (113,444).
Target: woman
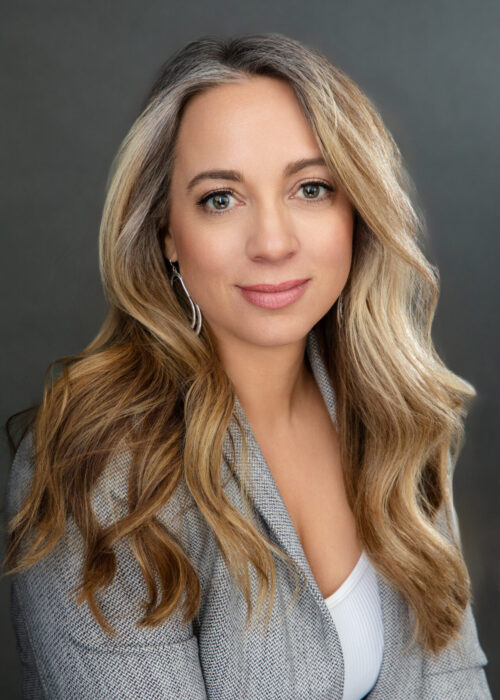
(261,425)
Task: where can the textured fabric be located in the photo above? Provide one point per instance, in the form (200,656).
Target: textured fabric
(67,656)
(357,614)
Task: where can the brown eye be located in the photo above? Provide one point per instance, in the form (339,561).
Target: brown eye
(220,200)
(311,189)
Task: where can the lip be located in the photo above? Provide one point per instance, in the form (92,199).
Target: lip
(282,287)
(278,298)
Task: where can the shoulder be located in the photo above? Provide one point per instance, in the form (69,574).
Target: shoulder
(64,648)
(109,494)
(46,591)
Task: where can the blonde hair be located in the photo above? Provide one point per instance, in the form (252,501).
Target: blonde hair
(148,382)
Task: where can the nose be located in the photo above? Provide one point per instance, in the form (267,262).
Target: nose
(273,234)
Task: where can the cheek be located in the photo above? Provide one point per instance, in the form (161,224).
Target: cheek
(205,262)
(335,246)
(200,250)
(338,251)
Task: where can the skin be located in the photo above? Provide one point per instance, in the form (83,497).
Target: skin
(268,231)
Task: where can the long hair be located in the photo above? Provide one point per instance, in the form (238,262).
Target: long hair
(149,383)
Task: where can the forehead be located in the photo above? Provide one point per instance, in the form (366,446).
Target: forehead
(256,121)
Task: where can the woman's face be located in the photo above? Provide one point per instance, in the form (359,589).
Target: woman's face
(269,222)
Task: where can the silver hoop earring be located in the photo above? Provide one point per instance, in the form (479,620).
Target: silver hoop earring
(195,309)
(340,310)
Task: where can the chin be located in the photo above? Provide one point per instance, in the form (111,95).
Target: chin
(271,332)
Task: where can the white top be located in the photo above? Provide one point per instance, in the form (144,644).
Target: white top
(357,614)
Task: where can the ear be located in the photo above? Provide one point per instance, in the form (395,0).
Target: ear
(169,245)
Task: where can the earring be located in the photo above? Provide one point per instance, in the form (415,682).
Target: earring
(340,310)
(195,309)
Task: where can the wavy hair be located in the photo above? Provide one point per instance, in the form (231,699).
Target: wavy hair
(148,382)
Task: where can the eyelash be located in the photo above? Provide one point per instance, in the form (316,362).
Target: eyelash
(202,202)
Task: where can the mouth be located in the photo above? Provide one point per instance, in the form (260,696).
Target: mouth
(272,288)
(274,296)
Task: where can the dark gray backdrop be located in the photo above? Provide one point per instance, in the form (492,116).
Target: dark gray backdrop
(73,75)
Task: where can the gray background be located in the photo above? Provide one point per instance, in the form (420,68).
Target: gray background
(73,75)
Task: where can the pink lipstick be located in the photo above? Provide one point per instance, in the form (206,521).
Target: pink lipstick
(274,296)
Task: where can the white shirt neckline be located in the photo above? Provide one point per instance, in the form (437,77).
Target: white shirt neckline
(350,582)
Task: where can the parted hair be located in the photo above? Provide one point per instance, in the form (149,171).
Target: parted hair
(148,382)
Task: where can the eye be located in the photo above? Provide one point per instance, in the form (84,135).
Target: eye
(220,198)
(311,188)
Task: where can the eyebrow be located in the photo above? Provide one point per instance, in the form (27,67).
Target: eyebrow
(236,176)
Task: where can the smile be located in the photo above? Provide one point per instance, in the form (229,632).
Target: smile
(276,299)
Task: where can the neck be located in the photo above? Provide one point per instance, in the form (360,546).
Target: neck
(271,382)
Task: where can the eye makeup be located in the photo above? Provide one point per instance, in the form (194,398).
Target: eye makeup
(228,191)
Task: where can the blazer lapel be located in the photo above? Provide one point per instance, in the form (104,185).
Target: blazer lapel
(266,495)
(394,608)
(271,507)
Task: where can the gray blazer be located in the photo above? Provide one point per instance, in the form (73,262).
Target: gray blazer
(66,655)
